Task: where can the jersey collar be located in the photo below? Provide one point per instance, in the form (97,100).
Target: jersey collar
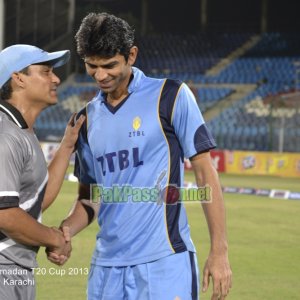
(13,114)
(138,77)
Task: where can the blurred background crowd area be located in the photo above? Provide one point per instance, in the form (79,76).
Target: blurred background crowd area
(240,58)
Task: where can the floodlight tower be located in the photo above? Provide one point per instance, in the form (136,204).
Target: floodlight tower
(264,16)
(2,24)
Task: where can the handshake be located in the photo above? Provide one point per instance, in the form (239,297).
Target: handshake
(61,252)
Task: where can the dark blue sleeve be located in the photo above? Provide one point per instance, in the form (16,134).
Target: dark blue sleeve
(84,163)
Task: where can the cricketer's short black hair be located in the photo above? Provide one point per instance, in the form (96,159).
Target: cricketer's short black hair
(6,89)
(104,35)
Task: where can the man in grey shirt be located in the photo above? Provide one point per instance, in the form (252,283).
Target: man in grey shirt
(27,187)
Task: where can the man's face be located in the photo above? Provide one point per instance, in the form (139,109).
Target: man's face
(111,74)
(41,84)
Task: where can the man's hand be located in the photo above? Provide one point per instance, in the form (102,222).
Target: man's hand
(71,133)
(217,267)
(61,254)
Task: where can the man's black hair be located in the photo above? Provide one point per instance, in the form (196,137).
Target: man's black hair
(6,89)
(104,35)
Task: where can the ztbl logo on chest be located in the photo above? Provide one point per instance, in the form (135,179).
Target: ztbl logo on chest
(136,124)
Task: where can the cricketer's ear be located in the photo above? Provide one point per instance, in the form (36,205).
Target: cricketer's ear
(17,79)
(132,55)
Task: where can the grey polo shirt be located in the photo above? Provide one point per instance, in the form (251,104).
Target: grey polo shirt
(23,179)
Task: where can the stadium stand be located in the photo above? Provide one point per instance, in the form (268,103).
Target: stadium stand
(186,56)
(271,65)
(208,97)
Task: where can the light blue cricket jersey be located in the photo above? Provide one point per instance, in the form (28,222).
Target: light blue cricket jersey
(133,151)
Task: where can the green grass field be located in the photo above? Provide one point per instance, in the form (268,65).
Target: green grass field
(264,244)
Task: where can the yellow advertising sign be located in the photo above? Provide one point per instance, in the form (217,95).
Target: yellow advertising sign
(284,164)
(263,163)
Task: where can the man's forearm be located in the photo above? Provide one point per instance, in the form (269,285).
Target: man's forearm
(216,221)
(21,227)
(57,170)
(214,211)
(58,166)
(78,218)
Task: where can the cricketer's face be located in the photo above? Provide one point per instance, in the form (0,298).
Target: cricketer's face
(41,85)
(111,74)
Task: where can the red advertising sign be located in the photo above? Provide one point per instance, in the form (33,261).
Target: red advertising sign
(218,158)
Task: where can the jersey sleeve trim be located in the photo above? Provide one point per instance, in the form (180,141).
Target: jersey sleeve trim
(9,193)
(9,201)
(203,140)
(206,147)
